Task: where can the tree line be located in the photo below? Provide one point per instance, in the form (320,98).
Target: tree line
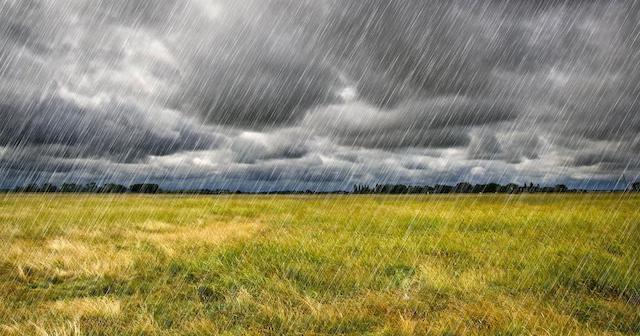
(468,188)
(107,188)
(459,188)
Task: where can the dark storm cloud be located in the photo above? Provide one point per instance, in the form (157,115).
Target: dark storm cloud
(271,71)
(60,128)
(258,92)
(255,70)
(440,123)
(398,50)
(275,89)
(611,156)
(602,158)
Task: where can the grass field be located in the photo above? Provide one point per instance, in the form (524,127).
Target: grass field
(246,265)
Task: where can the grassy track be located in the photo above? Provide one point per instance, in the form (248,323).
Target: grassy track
(440,265)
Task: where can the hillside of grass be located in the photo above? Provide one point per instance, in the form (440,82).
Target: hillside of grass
(273,265)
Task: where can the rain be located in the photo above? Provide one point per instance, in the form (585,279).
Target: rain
(272,95)
(339,97)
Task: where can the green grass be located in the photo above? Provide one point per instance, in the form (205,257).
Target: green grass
(246,265)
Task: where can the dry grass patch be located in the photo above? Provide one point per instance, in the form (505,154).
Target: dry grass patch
(68,257)
(93,307)
(66,328)
(155,226)
(169,238)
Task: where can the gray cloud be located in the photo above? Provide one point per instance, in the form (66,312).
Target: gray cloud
(257,92)
(443,122)
(253,147)
(119,132)
(276,89)
(398,50)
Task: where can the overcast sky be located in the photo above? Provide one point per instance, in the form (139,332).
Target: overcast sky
(319,94)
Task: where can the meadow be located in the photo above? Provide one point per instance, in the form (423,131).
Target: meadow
(317,265)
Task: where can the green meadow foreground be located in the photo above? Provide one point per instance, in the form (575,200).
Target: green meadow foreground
(247,265)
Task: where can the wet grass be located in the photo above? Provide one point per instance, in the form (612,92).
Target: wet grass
(246,265)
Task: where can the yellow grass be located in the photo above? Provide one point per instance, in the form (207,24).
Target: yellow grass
(246,265)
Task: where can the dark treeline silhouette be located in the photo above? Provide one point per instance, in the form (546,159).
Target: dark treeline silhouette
(107,188)
(467,188)
(459,188)
(144,188)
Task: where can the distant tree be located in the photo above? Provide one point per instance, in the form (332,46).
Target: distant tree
(362,189)
(400,189)
(48,187)
(90,187)
(635,187)
(492,188)
(509,188)
(560,188)
(144,188)
(463,187)
(32,187)
(70,187)
(419,189)
(113,188)
(487,188)
(442,189)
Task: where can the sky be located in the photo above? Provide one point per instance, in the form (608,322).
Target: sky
(319,94)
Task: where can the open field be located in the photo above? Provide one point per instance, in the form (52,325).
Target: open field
(236,265)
